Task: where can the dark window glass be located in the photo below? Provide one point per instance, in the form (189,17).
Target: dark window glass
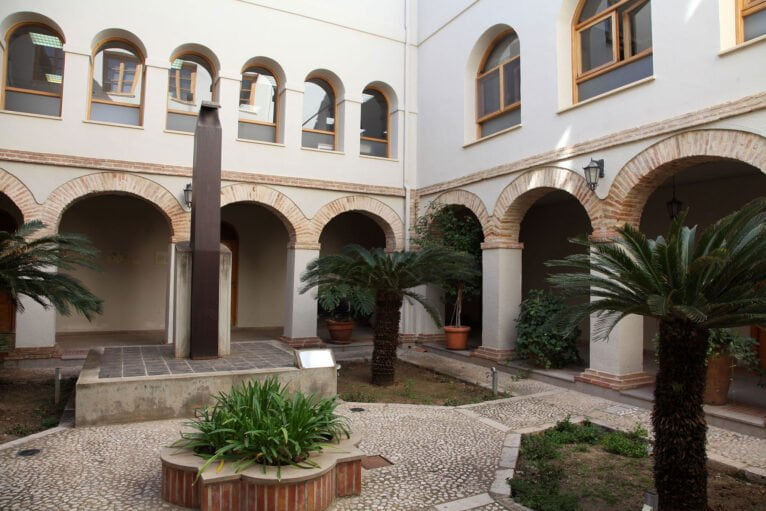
(755,25)
(34,71)
(116,84)
(318,106)
(489,93)
(374,115)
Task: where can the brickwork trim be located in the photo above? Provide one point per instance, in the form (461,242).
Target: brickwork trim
(388,220)
(296,223)
(20,195)
(102,183)
(641,176)
(469,200)
(103,164)
(524,191)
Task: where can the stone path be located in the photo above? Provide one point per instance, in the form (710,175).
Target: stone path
(443,458)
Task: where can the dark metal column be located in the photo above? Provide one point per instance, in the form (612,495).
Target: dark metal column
(206,233)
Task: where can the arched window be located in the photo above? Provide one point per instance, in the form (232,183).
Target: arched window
(34,71)
(116,83)
(190,82)
(258,103)
(318,115)
(374,124)
(612,45)
(498,86)
(752,19)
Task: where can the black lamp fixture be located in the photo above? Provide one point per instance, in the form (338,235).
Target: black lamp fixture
(188,195)
(593,171)
(674,205)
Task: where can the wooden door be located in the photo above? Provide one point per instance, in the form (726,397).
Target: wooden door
(7,310)
(759,334)
(231,240)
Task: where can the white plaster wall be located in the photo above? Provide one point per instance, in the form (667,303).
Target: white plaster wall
(132,238)
(262,262)
(689,75)
(301,37)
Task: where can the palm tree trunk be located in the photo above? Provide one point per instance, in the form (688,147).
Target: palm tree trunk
(388,308)
(680,469)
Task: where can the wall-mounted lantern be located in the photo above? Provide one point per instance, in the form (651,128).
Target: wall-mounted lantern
(593,172)
(674,205)
(188,195)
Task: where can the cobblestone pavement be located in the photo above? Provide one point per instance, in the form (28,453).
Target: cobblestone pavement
(439,454)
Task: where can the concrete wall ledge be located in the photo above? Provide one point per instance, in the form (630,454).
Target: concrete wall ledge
(143,398)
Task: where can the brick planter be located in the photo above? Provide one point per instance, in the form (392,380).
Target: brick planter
(314,489)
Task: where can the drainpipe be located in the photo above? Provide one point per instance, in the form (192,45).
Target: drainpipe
(407,188)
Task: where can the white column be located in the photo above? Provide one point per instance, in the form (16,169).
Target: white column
(347,126)
(300,309)
(36,326)
(416,323)
(501,299)
(170,298)
(155,96)
(617,362)
(228,98)
(75,94)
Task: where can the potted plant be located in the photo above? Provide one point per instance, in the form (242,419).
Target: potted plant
(343,301)
(456,229)
(725,348)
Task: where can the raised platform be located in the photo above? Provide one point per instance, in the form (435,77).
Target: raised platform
(141,383)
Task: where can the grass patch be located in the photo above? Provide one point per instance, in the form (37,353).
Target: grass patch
(581,467)
(26,403)
(413,385)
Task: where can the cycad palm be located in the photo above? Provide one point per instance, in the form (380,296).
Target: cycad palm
(383,279)
(26,264)
(690,284)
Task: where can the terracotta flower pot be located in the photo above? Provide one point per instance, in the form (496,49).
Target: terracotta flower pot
(457,337)
(340,331)
(718,380)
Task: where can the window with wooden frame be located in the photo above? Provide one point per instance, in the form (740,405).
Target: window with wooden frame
(258,103)
(319,114)
(751,19)
(121,73)
(498,86)
(116,93)
(612,42)
(190,82)
(374,138)
(34,70)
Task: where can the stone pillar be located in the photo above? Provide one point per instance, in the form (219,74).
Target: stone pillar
(617,362)
(170,298)
(300,309)
(501,298)
(182,301)
(416,324)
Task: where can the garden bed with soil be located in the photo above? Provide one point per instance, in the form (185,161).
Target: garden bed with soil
(573,468)
(26,402)
(413,385)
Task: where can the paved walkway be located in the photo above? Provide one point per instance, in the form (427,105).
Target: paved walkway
(440,454)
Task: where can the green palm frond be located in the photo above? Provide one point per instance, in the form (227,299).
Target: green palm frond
(35,266)
(710,278)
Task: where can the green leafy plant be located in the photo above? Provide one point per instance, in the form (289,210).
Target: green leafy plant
(456,229)
(724,341)
(633,444)
(261,423)
(538,339)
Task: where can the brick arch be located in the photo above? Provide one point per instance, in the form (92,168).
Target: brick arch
(523,192)
(641,176)
(296,223)
(117,183)
(469,200)
(383,215)
(20,195)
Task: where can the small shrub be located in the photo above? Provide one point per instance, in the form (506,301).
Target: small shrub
(537,338)
(541,491)
(259,422)
(540,447)
(50,422)
(566,432)
(633,444)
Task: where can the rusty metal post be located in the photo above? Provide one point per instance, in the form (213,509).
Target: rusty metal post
(206,233)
